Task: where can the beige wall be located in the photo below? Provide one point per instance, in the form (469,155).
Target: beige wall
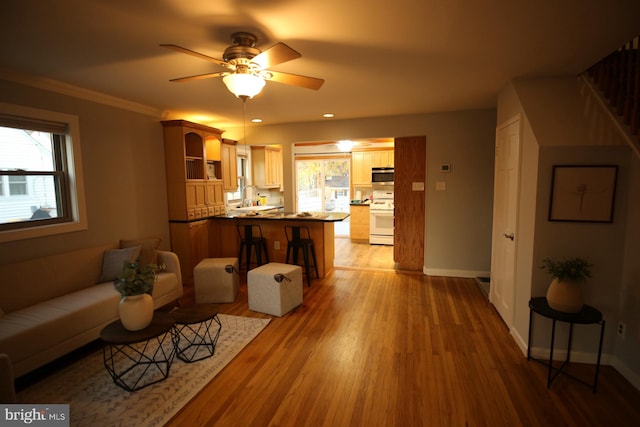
(562,125)
(123,164)
(458,220)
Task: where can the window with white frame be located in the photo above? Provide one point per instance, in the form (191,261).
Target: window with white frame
(40,173)
(236,196)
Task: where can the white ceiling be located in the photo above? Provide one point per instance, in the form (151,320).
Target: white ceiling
(377,58)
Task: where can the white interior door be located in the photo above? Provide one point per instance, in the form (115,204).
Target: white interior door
(505,213)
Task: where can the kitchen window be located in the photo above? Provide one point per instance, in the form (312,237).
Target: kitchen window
(236,196)
(40,173)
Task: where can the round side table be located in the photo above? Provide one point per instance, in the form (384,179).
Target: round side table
(587,316)
(137,359)
(193,326)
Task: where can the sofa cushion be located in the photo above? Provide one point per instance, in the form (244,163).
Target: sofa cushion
(32,281)
(148,249)
(113,261)
(36,328)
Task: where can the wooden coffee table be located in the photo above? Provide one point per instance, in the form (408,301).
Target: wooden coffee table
(193,326)
(137,359)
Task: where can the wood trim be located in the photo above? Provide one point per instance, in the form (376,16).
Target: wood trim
(186,123)
(410,158)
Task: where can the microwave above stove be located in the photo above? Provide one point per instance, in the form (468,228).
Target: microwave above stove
(382,176)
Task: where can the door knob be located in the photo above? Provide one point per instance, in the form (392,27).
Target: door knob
(510,236)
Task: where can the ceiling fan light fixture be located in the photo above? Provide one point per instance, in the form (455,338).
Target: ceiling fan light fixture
(243,85)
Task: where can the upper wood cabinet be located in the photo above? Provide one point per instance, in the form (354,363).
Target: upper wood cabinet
(193,162)
(363,160)
(229,165)
(266,164)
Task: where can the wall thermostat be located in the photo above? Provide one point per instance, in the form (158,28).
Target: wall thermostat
(446,167)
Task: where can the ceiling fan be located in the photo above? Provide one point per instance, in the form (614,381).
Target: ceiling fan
(248,67)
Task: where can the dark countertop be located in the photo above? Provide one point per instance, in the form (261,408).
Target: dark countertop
(289,216)
(359,204)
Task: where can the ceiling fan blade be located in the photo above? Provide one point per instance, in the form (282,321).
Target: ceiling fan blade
(199,77)
(276,54)
(196,54)
(296,80)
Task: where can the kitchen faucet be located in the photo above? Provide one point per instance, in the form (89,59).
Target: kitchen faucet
(249,202)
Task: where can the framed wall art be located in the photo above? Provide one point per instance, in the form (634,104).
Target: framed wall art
(583,193)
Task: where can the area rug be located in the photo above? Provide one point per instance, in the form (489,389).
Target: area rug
(95,400)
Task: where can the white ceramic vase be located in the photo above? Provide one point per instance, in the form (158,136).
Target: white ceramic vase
(136,311)
(565,296)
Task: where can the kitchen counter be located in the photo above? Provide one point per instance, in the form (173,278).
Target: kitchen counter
(287,216)
(320,225)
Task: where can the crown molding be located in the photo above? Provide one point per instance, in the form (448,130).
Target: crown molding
(56,86)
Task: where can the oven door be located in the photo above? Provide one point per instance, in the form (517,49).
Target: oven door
(381,227)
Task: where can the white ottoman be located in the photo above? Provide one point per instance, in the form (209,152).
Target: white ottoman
(267,295)
(213,282)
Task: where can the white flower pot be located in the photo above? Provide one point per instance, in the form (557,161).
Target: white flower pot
(565,296)
(136,311)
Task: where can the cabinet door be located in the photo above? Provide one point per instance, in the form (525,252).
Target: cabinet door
(229,167)
(361,165)
(359,223)
(266,164)
(215,193)
(196,199)
(274,169)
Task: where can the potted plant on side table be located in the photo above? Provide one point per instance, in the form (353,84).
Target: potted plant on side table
(135,285)
(565,292)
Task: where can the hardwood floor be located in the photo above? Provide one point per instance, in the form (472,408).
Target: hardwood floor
(362,255)
(387,348)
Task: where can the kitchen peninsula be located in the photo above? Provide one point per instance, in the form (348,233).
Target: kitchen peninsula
(321,227)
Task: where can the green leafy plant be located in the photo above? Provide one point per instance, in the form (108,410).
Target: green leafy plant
(577,269)
(136,278)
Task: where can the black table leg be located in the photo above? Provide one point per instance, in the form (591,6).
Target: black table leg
(553,338)
(530,329)
(595,380)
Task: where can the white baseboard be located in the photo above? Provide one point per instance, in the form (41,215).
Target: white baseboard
(454,273)
(624,370)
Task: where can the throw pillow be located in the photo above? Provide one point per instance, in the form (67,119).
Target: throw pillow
(113,260)
(148,249)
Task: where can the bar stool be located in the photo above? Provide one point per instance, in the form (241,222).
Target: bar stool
(251,240)
(299,238)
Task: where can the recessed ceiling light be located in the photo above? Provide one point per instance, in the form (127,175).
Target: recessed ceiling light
(256,120)
(328,115)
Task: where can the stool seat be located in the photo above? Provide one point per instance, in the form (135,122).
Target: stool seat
(299,239)
(252,241)
(216,280)
(275,288)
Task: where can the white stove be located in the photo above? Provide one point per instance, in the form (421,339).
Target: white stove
(381,218)
(382,205)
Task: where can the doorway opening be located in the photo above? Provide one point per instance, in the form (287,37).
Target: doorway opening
(322,184)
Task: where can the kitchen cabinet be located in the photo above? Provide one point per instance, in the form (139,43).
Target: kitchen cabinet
(193,163)
(363,160)
(266,165)
(359,223)
(229,165)
(190,240)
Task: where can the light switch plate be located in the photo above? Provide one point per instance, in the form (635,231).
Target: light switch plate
(441,186)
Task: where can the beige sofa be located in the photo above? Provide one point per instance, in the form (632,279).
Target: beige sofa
(55,304)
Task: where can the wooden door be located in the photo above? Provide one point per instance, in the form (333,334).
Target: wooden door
(410,155)
(505,213)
